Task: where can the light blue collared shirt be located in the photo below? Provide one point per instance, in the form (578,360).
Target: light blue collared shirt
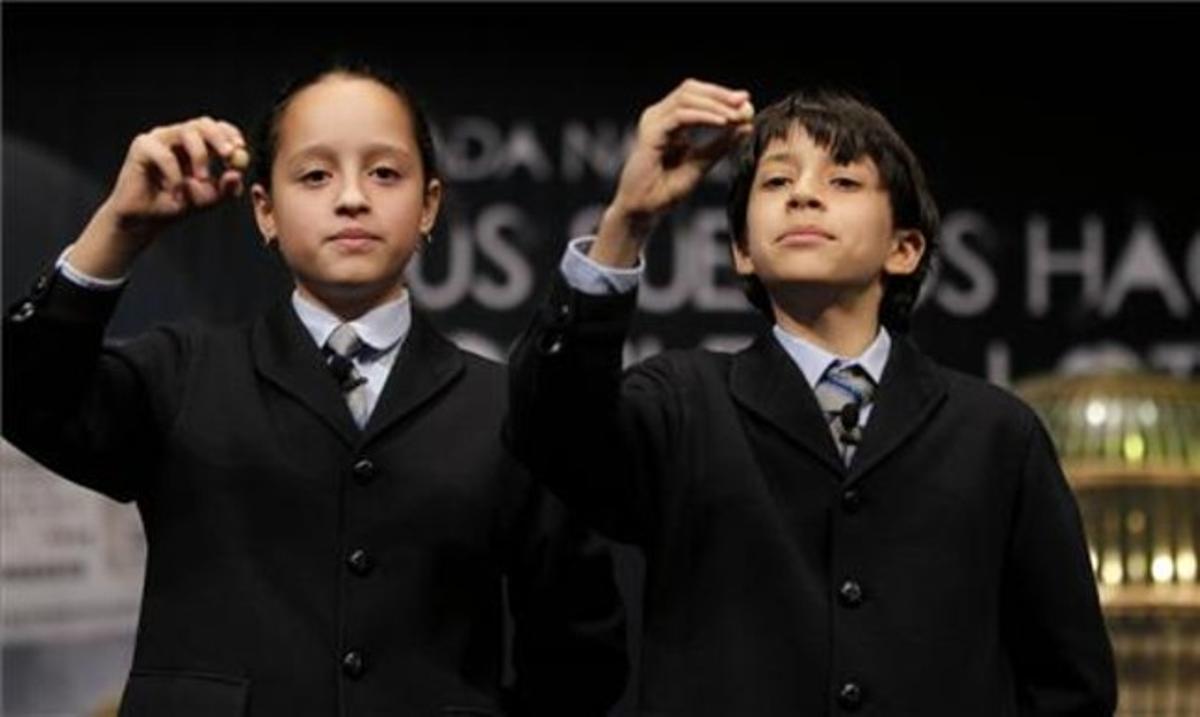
(813,360)
(86,281)
(585,275)
(383,329)
(589,276)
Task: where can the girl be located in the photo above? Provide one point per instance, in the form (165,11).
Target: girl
(313,545)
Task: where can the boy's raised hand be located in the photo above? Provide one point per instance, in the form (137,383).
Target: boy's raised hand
(672,153)
(164,177)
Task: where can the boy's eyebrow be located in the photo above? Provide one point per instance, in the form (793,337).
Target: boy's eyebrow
(777,157)
(784,157)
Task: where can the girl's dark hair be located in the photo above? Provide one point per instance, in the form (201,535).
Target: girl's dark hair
(267,138)
(849,129)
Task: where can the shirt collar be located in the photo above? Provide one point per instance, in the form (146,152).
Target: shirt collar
(814,360)
(381,328)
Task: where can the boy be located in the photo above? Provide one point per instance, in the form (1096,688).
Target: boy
(831,522)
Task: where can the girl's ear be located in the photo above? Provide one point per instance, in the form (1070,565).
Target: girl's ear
(264,213)
(431,204)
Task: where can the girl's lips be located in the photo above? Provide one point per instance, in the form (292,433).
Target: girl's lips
(353,234)
(354,242)
(354,239)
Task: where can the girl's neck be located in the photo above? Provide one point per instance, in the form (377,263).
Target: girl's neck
(350,304)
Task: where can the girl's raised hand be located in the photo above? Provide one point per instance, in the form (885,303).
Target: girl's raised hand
(165,176)
(166,173)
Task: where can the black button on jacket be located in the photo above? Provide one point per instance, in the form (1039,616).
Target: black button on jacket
(255,488)
(971,592)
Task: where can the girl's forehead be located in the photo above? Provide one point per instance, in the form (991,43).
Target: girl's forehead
(340,105)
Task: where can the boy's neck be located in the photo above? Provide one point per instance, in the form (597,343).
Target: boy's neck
(840,324)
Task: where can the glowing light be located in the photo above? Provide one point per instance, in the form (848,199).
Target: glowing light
(1136,567)
(1148,413)
(1185,565)
(1096,412)
(1135,447)
(1111,573)
(1094,558)
(1162,569)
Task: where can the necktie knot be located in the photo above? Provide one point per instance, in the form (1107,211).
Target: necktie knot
(341,348)
(842,392)
(344,342)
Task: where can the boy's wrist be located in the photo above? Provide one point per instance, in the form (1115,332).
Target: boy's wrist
(621,235)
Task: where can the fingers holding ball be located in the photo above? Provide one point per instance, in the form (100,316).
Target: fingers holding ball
(239,159)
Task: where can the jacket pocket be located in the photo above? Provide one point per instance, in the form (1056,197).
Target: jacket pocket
(159,693)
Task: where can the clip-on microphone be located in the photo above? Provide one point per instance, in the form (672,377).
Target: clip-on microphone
(849,417)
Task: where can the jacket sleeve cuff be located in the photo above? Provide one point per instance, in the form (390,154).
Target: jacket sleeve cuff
(57,298)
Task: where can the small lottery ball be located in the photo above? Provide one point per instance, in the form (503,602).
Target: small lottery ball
(239,159)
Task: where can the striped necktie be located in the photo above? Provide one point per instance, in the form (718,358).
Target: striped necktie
(842,392)
(341,349)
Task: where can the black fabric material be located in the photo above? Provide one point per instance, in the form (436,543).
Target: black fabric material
(943,573)
(257,491)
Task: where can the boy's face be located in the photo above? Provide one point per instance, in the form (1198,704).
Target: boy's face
(811,221)
(349,200)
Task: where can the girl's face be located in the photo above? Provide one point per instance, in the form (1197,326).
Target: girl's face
(349,198)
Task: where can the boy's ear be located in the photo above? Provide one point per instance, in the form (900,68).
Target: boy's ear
(908,246)
(742,263)
(264,213)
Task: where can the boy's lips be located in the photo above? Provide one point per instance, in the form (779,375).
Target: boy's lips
(807,234)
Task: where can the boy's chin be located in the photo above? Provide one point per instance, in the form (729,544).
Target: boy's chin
(816,286)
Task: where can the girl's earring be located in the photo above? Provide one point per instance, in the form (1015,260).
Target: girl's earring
(426,238)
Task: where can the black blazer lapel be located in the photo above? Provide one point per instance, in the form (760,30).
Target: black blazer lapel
(909,391)
(286,355)
(426,364)
(765,380)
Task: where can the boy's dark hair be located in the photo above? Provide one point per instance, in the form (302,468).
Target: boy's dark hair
(267,137)
(849,129)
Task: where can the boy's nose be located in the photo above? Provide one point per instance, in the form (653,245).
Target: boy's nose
(805,191)
(803,198)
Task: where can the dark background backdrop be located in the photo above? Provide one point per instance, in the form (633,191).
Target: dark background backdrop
(1078,119)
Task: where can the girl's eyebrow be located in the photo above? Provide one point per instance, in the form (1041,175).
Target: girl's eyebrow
(386,148)
(321,148)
